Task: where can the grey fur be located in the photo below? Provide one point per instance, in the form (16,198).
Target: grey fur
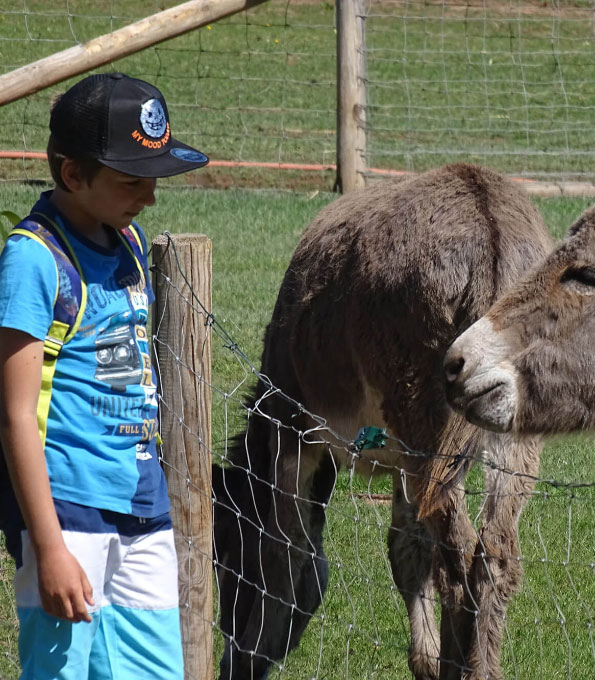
(536,372)
(381,283)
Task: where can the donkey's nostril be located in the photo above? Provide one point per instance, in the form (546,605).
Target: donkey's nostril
(453,368)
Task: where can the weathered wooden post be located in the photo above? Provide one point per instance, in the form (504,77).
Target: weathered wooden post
(351,95)
(182,348)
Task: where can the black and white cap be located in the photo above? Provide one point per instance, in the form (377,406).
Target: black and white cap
(123,123)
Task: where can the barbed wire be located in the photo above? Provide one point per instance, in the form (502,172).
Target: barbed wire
(349,445)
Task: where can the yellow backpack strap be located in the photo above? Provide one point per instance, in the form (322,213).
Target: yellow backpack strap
(52,346)
(134,245)
(69,302)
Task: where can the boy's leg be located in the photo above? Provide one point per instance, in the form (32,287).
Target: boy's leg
(135,632)
(50,647)
(139,633)
(133,644)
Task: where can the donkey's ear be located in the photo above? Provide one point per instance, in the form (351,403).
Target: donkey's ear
(585,222)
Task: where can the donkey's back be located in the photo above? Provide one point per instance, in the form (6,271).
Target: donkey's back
(382,282)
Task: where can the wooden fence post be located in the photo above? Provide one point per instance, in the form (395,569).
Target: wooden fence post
(182,347)
(351,95)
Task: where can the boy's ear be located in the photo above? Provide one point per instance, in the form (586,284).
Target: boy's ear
(71,174)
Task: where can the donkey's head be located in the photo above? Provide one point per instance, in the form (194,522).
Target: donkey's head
(528,365)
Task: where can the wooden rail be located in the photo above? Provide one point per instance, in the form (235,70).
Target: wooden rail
(107,48)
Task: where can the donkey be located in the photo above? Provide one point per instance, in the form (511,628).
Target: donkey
(527,366)
(380,285)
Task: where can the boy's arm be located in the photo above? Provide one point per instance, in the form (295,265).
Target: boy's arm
(63,585)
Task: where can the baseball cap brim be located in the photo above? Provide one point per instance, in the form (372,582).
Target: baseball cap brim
(176,159)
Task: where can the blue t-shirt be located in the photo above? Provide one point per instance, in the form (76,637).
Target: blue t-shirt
(100,443)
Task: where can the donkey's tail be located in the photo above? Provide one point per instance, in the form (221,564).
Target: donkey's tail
(449,466)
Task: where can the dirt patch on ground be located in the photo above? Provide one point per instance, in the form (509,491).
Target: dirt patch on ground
(541,8)
(375,498)
(256,178)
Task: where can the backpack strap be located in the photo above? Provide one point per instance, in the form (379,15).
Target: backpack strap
(134,245)
(71,292)
(69,303)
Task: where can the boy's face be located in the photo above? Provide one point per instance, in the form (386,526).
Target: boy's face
(113,198)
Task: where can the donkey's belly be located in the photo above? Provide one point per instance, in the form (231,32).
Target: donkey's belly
(344,426)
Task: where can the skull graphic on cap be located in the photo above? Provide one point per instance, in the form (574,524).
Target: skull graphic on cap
(152,118)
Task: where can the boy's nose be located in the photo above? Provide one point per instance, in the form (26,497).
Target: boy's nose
(148,193)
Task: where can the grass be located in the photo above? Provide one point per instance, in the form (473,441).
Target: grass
(8,620)
(509,85)
(364,632)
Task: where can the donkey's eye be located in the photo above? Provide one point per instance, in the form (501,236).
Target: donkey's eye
(583,276)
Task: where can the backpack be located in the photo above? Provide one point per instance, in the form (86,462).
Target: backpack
(66,321)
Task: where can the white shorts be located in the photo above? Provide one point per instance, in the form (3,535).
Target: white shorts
(135,630)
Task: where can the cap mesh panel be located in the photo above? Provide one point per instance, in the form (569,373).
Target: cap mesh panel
(79,120)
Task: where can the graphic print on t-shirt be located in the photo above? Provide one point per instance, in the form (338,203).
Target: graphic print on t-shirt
(123,359)
(117,354)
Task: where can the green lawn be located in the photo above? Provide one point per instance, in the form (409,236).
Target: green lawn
(508,85)
(364,633)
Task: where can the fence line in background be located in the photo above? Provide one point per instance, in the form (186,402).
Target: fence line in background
(257,87)
(504,84)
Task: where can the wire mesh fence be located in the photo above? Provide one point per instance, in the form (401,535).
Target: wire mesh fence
(361,628)
(507,84)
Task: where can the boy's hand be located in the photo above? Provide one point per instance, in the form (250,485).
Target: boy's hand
(63,586)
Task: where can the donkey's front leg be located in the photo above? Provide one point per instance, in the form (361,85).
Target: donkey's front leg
(411,556)
(496,572)
(455,539)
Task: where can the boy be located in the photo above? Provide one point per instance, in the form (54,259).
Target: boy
(96,580)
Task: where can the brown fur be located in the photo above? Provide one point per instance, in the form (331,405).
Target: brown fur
(379,286)
(544,327)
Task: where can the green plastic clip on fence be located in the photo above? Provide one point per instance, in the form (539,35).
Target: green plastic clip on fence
(370,438)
